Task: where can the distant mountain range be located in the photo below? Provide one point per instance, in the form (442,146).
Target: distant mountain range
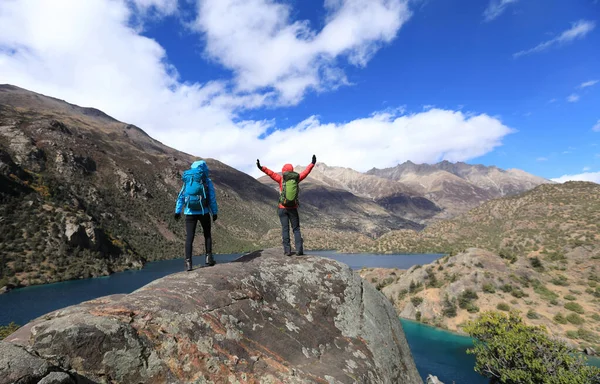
(83,194)
(458,187)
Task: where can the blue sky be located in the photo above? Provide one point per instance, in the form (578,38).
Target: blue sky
(361,83)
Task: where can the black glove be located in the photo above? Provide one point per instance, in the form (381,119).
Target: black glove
(314,159)
(258,164)
(214,217)
(177,216)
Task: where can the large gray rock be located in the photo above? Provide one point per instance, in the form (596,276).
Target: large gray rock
(264,319)
(433,380)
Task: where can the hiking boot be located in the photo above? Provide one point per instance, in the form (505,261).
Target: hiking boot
(188,265)
(210,261)
(300,253)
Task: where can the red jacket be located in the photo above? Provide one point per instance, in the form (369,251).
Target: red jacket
(286,168)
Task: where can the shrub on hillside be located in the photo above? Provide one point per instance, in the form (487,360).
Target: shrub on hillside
(536,263)
(466,297)
(508,351)
(575,307)
(518,293)
(544,292)
(531,314)
(488,288)
(503,307)
(560,280)
(7,330)
(574,318)
(449,307)
(416,301)
(560,318)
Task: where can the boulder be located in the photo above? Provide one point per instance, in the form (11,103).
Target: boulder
(265,318)
(589,351)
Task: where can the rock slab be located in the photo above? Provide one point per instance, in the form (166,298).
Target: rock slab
(266,318)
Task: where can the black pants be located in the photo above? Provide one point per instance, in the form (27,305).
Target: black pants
(287,216)
(190,230)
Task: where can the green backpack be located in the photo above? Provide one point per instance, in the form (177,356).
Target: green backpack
(290,189)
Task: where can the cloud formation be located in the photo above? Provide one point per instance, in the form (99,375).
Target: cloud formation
(586,176)
(495,8)
(596,127)
(267,50)
(573,98)
(578,30)
(88,53)
(588,84)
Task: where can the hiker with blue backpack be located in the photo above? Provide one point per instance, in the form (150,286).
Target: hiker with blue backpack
(198,197)
(288,203)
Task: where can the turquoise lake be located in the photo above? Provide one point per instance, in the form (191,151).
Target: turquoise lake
(435,351)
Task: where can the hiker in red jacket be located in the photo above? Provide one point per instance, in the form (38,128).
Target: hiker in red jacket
(288,202)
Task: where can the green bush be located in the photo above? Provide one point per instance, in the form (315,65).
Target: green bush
(574,318)
(466,297)
(402,294)
(503,307)
(506,288)
(518,293)
(449,307)
(488,288)
(511,352)
(575,307)
(596,317)
(7,330)
(416,301)
(544,292)
(586,335)
(415,287)
(570,297)
(537,264)
(560,318)
(531,314)
(560,280)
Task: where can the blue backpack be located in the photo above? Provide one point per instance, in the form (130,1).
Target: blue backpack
(195,189)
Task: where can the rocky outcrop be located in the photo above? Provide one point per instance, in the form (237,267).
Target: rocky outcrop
(263,319)
(433,380)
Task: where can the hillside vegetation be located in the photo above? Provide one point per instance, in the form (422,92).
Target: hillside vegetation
(550,220)
(537,253)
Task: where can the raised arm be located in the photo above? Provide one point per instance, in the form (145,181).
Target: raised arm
(309,168)
(273,175)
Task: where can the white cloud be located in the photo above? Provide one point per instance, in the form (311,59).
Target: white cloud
(573,98)
(588,83)
(552,101)
(586,176)
(585,169)
(87,53)
(578,30)
(542,159)
(386,139)
(596,127)
(164,7)
(265,48)
(495,8)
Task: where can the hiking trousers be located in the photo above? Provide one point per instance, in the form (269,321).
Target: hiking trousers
(287,216)
(191,222)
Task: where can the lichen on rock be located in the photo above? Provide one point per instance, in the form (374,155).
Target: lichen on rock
(264,318)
